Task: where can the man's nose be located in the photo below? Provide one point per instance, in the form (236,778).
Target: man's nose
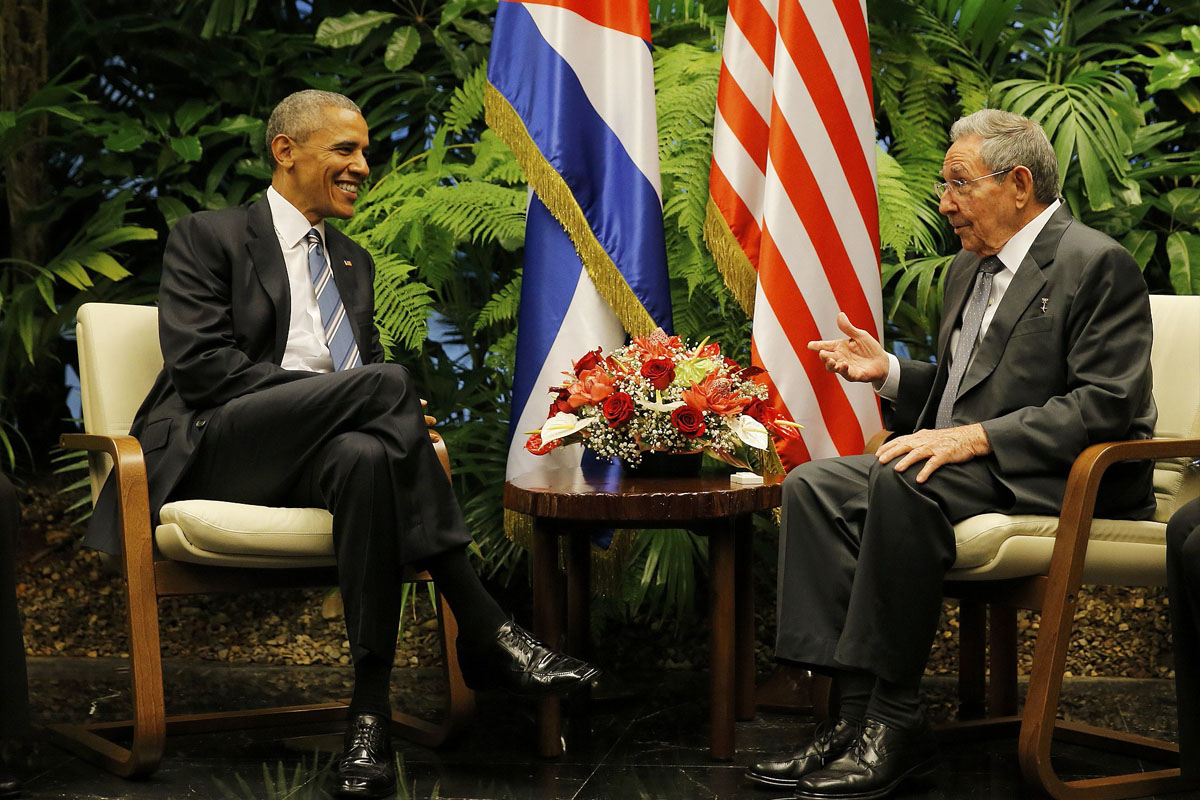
(946,204)
(359,165)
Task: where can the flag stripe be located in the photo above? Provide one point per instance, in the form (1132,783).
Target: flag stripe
(562,121)
(749,126)
(615,16)
(805,196)
(808,221)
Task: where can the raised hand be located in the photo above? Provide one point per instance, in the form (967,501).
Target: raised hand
(857,358)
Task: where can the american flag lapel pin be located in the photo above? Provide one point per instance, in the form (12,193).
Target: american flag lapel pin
(348,264)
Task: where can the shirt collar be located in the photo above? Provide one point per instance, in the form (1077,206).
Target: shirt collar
(291,226)
(1016,248)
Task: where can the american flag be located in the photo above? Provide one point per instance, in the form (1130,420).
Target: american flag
(793,217)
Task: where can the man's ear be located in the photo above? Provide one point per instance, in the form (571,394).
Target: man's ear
(1023,183)
(281,149)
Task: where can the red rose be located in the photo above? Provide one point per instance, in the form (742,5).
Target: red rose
(617,408)
(688,421)
(760,411)
(535,446)
(559,403)
(589,361)
(660,372)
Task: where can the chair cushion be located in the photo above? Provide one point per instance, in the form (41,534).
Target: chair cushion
(996,546)
(236,534)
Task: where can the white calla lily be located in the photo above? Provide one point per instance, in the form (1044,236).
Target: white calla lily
(564,424)
(749,430)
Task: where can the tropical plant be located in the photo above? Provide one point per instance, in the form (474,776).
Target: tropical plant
(1113,84)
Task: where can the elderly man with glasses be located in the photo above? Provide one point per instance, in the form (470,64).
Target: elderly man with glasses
(1043,349)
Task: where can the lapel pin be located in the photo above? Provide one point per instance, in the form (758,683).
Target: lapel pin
(1045,300)
(348,264)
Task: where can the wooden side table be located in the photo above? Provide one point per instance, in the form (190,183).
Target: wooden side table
(568,504)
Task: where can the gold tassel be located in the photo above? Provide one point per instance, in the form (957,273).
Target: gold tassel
(608,565)
(553,191)
(740,276)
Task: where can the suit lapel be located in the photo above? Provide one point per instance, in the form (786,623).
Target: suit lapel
(267,261)
(1025,287)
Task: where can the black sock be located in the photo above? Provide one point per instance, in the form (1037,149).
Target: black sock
(372,686)
(854,693)
(477,612)
(897,705)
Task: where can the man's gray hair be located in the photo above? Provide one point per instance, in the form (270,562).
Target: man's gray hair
(1010,140)
(300,114)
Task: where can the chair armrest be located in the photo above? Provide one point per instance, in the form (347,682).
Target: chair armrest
(129,474)
(1079,500)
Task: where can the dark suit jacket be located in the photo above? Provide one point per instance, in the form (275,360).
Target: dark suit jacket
(1046,384)
(223,312)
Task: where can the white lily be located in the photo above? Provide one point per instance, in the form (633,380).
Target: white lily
(564,424)
(659,406)
(749,430)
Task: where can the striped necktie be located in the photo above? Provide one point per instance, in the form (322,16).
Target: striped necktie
(338,333)
(967,338)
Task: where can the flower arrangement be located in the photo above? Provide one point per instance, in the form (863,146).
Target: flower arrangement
(660,393)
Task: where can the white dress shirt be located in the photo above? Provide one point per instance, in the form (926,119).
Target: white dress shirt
(1011,256)
(306,346)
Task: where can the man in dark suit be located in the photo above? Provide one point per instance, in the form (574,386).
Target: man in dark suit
(14,697)
(1044,348)
(1183,588)
(274,392)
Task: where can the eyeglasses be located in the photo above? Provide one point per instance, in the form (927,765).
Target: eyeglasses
(960,186)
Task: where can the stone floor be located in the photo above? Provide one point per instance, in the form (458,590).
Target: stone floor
(652,744)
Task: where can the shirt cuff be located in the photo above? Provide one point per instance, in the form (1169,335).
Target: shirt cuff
(889,388)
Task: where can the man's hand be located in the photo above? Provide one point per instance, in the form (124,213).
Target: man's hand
(858,358)
(936,447)
(429,421)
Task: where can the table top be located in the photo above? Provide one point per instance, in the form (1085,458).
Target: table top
(568,494)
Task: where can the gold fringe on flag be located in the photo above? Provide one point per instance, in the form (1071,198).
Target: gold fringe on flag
(608,565)
(553,191)
(740,275)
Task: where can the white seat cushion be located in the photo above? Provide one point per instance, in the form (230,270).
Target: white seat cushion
(996,546)
(235,534)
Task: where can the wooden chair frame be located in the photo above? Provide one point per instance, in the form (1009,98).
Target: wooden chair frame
(147,579)
(1055,595)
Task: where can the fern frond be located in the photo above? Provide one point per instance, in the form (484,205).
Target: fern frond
(466,104)
(402,305)
(503,306)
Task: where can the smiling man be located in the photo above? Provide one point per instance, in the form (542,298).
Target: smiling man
(274,392)
(1043,349)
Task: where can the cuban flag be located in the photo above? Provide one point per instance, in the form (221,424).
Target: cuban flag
(571,91)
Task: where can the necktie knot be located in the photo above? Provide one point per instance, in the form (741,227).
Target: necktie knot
(313,237)
(989,266)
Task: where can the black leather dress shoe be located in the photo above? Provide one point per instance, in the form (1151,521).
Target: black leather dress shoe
(830,740)
(10,787)
(518,663)
(878,761)
(367,768)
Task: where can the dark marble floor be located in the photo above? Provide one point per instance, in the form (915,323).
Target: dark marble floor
(652,744)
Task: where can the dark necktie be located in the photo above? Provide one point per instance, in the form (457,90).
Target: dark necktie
(967,337)
(339,336)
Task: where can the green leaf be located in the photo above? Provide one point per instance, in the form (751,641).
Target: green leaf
(349,29)
(242,123)
(401,48)
(188,147)
(190,113)
(1183,251)
(106,265)
(126,139)
(1141,245)
(478,31)
(8,120)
